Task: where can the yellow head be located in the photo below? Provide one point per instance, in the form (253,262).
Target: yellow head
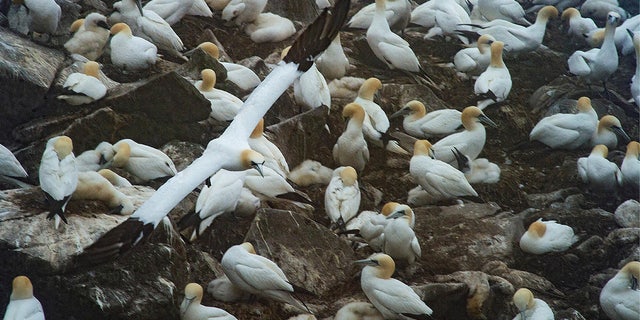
(633,149)
(385,265)
(496,54)
(422,148)
(210,49)
(389,208)
(600,149)
(369,88)
(483,42)
(353,111)
(121,27)
(193,291)
(208,80)
(123,153)
(584,104)
(63,146)
(569,13)
(91,68)
(631,269)
(284,52)
(249,247)
(22,288)
(417,108)
(523,299)
(348,176)
(607,122)
(548,12)
(75,26)
(538,228)
(471,115)
(251,159)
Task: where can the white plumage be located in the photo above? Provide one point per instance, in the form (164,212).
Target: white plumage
(243,11)
(509,10)
(274,158)
(333,63)
(22,304)
(630,168)
(115,179)
(547,236)
(92,160)
(578,25)
(635,80)
(86,85)
(258,275)
(44,15)
(310,172)
(58,175)
(171,11)
(397,14)
(531,308)
(473,61)
(420,124)
(269,27)
(240,75)
(311,88)
(494,84)
(143,162)
(619,297)
(441,17)
(400,242)
(90,40)
(394,299)
(567,131)
(342,196)
(598,172)
(224,105)
(191,309)
(358,311)
(351,148)
(130,52)
(94,186)
(609,127)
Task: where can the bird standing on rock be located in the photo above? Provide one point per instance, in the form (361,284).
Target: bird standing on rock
(351,147)
(420,124)
(191,309)
(619,297)
(129,52)
(58,176)
(342,196)
(84,87)
(598,172)
(494,84)
(22,304)
(567,131)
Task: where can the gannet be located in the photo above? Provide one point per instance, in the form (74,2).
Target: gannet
(600,9)
(420,124)
(93,186)
(342,196)
(441,17)
(115,179)
(473,61)
(58,176)
(273,157)
(389,47)
(258,275)
(509,10)
(270,185)
(630,167)
(578,26)
(436,177)
(310,172)
(84,87)
(247,204)
(369,225)
(598,172)
(269,27)
(598,64)
(607,132)
(311,88)
(394,299)
(623,42)
(396,12)
(218,5)
(200,8)
(567,131)
(351,148)
(470,141)
(142,161)
(222,289)
(224,105)
(91,38)
(494,84)
(619,297)
(224,151)
(9,165)
(130,52)
(218,196)
(77,25)
(191,309)
(148,25)
(333,63)
(22,304)
(243,11)
(479,170)
(531,308)
(358,310)
(547,236)
(517,38)
(400,242)
(43,15)
(171,11)
(635,80)
(240,75)
(92,160)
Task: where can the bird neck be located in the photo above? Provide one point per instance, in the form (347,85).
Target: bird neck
(609,35)
(496,57)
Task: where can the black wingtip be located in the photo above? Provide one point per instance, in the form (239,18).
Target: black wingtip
(471,35)
(318,35)
(56,207)
(295,196)
(461,159)
(115,242)
(191,219)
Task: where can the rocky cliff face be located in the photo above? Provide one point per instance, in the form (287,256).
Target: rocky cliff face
(471,263)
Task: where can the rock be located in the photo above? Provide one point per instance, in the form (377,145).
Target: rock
(182,153)
(465,237)
(542,200)
(628,214)
(199,61)
(27,70)
(444,298)
(311,256)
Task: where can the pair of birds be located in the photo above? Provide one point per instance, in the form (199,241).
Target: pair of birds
(260,27)
(600,174)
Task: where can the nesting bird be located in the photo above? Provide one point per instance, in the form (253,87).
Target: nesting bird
(240,75)
(58,176)
(473,61)
(358,311)
(351,148)
(274,158)
(396,12)
(547,236)
(224,105)
(243,11)
(420,124)
(509,10)
(578,26)
(129,52)
(143,162)
(191,309)
(90,39)
(607,132)
(437,178)
(84,87)
(342,196)
(115,179)
(269,27)
(530,308)
(598,172)
(400,242)
(394,299)
(43,15)
(494,84)
(567,131)
(470,141)
(310,172)
(333,63)
(258,275)
(22,304)
(311,88)
(598,64)
(441,17)
(94,186)
(173,11)
(92,160)
(630,167)
(619,297)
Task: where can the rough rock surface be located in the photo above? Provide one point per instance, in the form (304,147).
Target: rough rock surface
(628,214)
